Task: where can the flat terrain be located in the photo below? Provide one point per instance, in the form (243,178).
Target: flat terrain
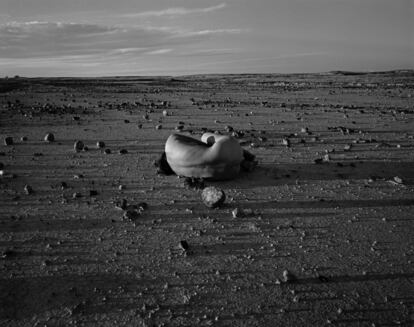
(327,231)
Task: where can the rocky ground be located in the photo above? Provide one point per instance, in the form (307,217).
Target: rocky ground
(322,235)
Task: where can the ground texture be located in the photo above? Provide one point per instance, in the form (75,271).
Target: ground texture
(324,233)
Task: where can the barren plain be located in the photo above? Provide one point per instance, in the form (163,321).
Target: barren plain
(324,235)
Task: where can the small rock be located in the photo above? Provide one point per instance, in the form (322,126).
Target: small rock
(158,127)
(93,193)
(49,137)
(76,195)
(78,146)
(286,142)
(100,144)
(347,147)
(237,213)
(126,121)
(213,197)
(28,189)
(288,276)
(85,148)
(183,245)
(23,138)
(107,151)
(123,204)
(121,187)
(1,165)
(398,180)
(229,128)
(63,185)
(8,140)
(76,118)
(142,206)
(123,151)
(165,113)
(131,215)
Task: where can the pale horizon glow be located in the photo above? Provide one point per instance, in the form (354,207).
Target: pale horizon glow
(182,37)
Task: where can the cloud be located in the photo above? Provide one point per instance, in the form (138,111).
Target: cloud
(53,39)
(159,51)
(174,12)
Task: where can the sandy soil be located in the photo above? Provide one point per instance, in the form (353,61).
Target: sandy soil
(327,233)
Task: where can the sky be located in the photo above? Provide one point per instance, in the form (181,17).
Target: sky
(184,37)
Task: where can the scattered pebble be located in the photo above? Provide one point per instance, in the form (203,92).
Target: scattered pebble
(286,142)
(184,245)
(213,197)
(123,204)
(142,206)
(123,151)
(288,276)
(28,189)
(100,144)
(237,213)
(49,137)
(78,146)
(131,215)
(8,140)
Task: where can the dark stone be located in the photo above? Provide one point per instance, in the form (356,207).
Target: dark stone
(131,215)
(184,245)
(28,189)
(8,140)
(100,144)
(78,146)
(49,137)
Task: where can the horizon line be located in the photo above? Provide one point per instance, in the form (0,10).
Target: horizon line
(338,72)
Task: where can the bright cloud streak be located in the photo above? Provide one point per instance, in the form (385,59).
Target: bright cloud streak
(173,12)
